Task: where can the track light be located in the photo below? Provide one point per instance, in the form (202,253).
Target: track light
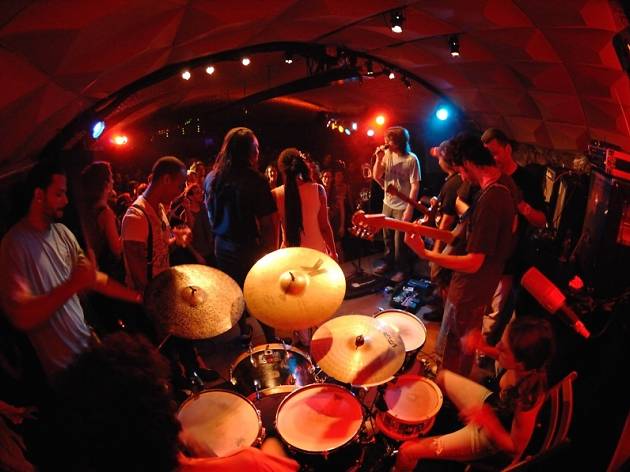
(210,70)
(406,82)
(97,129)
(288,58)
(453,45)
(369,67)
(246,61)
(391,75)
(397,19)
(186,75)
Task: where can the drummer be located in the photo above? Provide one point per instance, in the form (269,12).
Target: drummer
(497,424)
(142,432)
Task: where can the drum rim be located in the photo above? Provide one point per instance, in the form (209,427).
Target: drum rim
(322,451)
(259,435)
(268,392)
(409,314)
(428,416)
(268,346)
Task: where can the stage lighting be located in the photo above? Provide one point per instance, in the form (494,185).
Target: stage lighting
(246,61)
(369,67)
(453,45)
(288,58)
(370,132)
(442,113)
(406,82)
(397,19)
(347,131)
(391,75)
(341,129)
(354,125)
(120,140)
(97,129)
(186,75)
(210,70)
(380,120)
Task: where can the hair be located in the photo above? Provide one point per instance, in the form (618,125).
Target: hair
(41,176)
(167,165)
(468,147)
(492,134)
(94,180)
(292,165)
(533,344)
(115,409)
(400,136)
(234,155)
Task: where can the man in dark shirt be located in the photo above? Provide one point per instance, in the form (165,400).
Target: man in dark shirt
(531,212)
(241,209)
(489,243)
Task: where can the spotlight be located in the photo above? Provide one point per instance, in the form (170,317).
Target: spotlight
(370,132)
(442,113)
(386,71)
(246,61)
(341,129)
(120,140)
(391,75)
(397,19)
(453,45)
(210,70)
(354,125)
(380,120)
(347,130)
(288,58)
(406,82)
(186,75)
(370,67)
(97,129)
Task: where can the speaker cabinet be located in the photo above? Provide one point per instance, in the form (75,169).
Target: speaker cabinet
(603,251)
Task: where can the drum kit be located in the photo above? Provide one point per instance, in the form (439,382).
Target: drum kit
(353,388)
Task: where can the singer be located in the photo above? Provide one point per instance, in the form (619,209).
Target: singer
(396,165)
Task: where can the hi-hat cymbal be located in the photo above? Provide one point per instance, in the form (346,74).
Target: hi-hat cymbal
(294,288)
(194,301)
(358,349)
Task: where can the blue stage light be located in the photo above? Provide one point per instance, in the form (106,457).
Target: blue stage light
(442,113)
(97,129)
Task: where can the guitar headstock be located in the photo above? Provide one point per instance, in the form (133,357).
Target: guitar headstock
(366,226)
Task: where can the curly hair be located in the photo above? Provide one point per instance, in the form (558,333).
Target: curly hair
(115,409)
(235,154)
(468,147)
(293,166)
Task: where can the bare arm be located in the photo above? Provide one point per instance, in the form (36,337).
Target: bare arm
(324,223)
(413,195)
(534,217)
(136,260)
(107,221)
(468,263)
(379,168)
(111,288)
(446,222)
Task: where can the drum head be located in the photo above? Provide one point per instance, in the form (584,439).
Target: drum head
(219,422)
(411,329)
(319,418)
(413,399)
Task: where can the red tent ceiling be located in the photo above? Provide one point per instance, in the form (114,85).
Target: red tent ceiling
(545,71)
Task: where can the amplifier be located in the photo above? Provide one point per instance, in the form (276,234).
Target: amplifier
(612,161)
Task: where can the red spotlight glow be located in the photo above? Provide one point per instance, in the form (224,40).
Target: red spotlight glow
(120,140)
(370,132)
(380,120)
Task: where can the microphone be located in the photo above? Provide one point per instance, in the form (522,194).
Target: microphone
(384,147)
(552,299)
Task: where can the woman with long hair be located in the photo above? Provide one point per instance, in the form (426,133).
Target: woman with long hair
(302,206)
(271,172)
(241,209)
(497,424)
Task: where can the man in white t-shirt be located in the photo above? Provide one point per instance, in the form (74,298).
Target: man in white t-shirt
(397,166)
(43,270)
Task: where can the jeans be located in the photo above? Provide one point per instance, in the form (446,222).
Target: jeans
(397,254)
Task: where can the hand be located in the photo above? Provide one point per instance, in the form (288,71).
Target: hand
(471,341)
(524,208)
(84,274)
(415,242)
(380,152)
(183,235)
(405,460)
(408,214)
(17,414)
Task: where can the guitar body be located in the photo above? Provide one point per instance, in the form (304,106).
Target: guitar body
(366,226)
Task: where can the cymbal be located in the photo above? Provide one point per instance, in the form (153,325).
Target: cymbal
(294,288)
(194,301)
(358,349)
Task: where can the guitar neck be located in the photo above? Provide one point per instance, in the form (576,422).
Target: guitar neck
(405,198)
(409,227)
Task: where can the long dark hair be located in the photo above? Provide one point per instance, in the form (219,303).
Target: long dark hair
(235,154)
(292,165)
(94,179)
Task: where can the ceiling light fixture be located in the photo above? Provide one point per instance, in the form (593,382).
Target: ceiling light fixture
(288,57)
(246,61)
(391,75)
(453,45)
(186,75)
(369,67)
(406,82)
(397,19)
(210,70)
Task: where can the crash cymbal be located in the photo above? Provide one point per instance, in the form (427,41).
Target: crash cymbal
(358,349)
(294,288)
(194,301)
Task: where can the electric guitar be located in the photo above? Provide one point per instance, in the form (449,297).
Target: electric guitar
(428,214)
(366,226)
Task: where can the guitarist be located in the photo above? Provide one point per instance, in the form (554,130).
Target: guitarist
(396,165)
(489,242)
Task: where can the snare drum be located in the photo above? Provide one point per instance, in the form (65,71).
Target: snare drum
(320,424)
(219,423)
(412,404)
(270,366)
(411,330)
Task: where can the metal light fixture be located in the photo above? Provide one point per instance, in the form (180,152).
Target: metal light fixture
(397,19)
(453,45)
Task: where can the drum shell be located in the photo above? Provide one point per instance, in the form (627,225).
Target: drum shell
(269,366)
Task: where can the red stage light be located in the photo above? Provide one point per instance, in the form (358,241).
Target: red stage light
(380,120)
(120,140)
